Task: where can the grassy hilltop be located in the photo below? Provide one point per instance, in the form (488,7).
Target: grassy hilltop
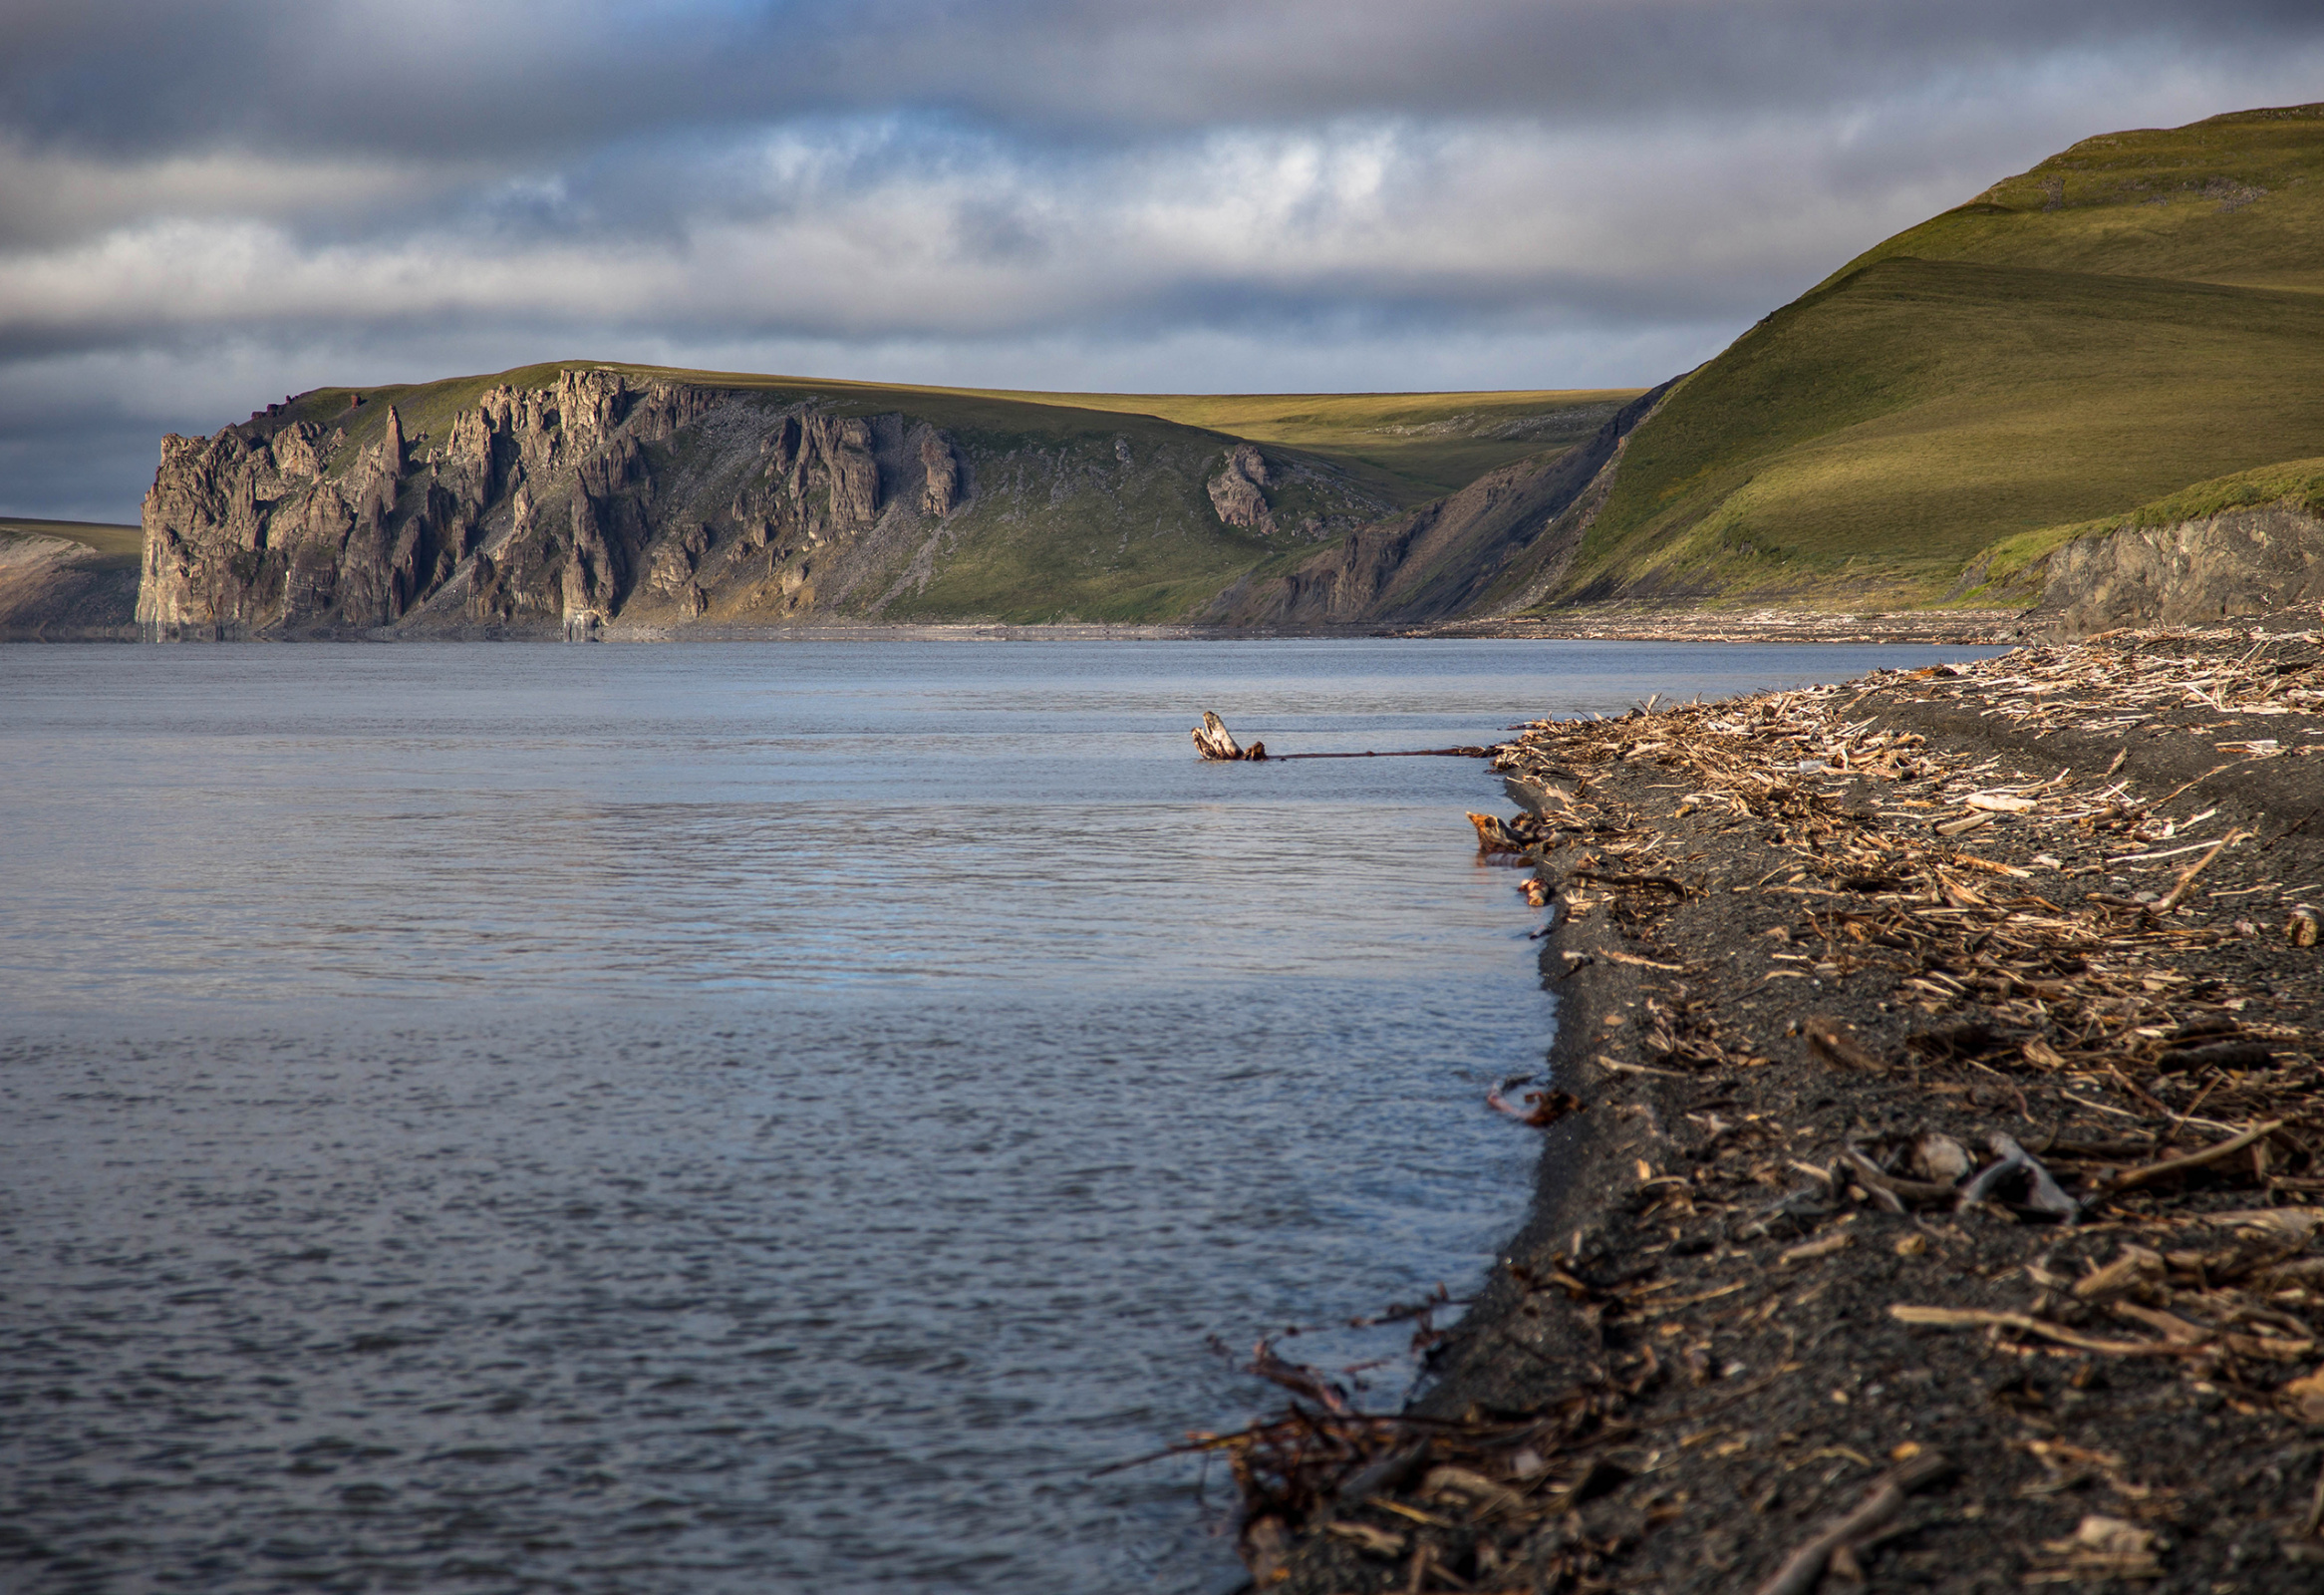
(2140,313)
(116,547)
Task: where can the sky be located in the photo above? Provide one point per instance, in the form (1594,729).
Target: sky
(209,205)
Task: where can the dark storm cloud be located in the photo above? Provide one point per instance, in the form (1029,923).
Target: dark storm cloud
(205,205)
(514,78)
(458,80)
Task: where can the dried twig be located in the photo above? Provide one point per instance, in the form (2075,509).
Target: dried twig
(2170,1168)
(1804,1567)
(2186,875)
(1979,1318)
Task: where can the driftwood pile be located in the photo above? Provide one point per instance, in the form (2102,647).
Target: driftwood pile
(1934,1090)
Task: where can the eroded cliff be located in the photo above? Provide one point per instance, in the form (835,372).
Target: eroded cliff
(581,497)
(553,506)
(2196,573)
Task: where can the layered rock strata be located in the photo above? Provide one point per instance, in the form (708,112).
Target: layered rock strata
(2190,573)
(538,507)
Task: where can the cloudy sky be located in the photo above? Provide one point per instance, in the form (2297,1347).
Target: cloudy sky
(205,205)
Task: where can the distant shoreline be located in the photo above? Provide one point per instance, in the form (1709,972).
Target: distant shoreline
(1624,623)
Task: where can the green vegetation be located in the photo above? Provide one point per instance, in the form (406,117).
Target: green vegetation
(1405,447)
(2239,198)
(2009,560)
(2130,317)
(1415,444)
(1061,529)
(122,546)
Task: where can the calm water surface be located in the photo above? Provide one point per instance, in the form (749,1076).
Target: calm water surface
(729,1119)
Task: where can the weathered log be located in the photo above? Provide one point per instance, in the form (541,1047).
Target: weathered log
(1495,837)
(2171,1167)
(1835,1043)
(1213,741)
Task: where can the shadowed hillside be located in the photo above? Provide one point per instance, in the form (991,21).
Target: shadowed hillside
(66,581)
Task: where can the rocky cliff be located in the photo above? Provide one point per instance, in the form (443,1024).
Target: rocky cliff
(560,505)
(2242,561)
(573,498)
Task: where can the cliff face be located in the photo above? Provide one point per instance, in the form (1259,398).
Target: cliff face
(2191,574)
(557,507)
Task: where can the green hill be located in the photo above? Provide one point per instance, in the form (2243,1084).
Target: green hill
(66,581)
(2142,312)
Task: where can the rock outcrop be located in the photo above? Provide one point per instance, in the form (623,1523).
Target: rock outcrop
(2190,573)
(537,508)
(567,501)
(942,473)
(1239,492)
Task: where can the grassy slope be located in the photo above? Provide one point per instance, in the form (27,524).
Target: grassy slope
(1420,445)
(2002,368)
(120,546)
(2298,481)
(2238,198)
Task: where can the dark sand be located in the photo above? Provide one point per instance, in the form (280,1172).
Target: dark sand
(1693,1362)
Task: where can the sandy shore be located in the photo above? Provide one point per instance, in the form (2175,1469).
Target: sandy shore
(1933,1190)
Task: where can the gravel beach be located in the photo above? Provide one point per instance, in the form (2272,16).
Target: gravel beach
(1934,1174)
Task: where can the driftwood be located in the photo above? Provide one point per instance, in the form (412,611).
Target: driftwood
(1404,753)
(2026,1323)
(1214,740)
(1804,1567)
(2017,1167)
(1514,835)
(2130,1179)
(1835,1043)
(2123,1033)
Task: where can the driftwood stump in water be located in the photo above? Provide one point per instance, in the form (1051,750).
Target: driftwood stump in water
(1212,740)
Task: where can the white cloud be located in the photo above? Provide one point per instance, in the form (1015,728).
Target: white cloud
(199,202)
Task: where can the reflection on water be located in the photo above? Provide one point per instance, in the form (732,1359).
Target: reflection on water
(727,1118)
